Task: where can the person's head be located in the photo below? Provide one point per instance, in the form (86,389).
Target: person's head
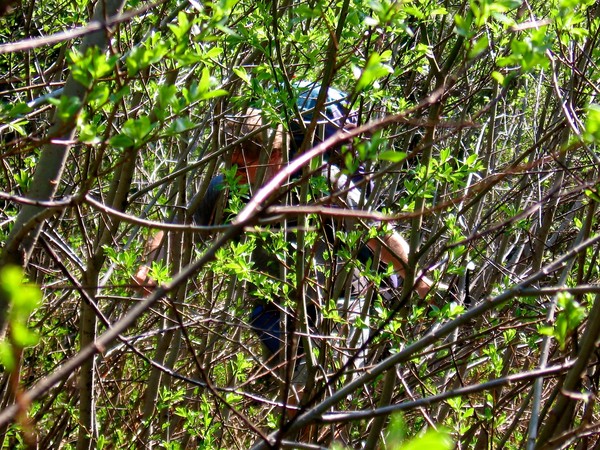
(261,146)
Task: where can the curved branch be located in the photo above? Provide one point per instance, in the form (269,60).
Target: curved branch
(315,414)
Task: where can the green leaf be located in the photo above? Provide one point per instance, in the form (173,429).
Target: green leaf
(10,279)
(305,11)
(214,93)
(120,94)
(159,272)
(192,94)
(204,83)
(7,356)
(374,70)
(137,129)
(99,95)
(101,65)
(212,53)
(18,109)
(478,47)
(134,61)
(89,133)
(17,126)
(592,124)
(431,440)
(167,95)
(121,141)
(25,301)
(22,336)
(396,431)
(498,77)
(182,27)
(242,74)
(141,57)
(66,107)
(593,194)
(569,317)
(529,53)
(79,67)
(463,25)
(25,298)
(415,12)
(392,156)
(180,125)
(91,65)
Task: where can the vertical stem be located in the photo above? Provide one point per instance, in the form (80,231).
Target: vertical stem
(389,384)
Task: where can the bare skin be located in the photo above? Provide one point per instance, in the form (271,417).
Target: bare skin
(141,278)
(395,252)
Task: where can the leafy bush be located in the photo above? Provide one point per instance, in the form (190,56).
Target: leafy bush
(481,125)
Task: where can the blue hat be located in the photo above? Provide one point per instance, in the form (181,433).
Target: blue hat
(334,116)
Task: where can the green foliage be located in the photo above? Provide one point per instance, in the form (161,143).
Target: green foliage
(67,108)
(159,272)
(152,51)
(529,53)
(485,9)
(396,437)
(134,133)
(431,440)
(592,124)
(375,69)
(90,66)
(448,311)
(570,315)
(462,413)
(235,259)
(23,299)
(126,259)
(13,116)
(492,160)
(24,176)
(446,170)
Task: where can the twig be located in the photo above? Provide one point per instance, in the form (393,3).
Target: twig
(317,411)
(92,27)
(459,392)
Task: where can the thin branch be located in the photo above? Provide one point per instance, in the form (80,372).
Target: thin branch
(459,392)
(433,336)
(91,27)
(104,340)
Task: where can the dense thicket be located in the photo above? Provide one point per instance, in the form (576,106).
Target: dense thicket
(480,143)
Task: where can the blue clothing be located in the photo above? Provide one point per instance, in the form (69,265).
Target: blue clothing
(205,214)
(264,320)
